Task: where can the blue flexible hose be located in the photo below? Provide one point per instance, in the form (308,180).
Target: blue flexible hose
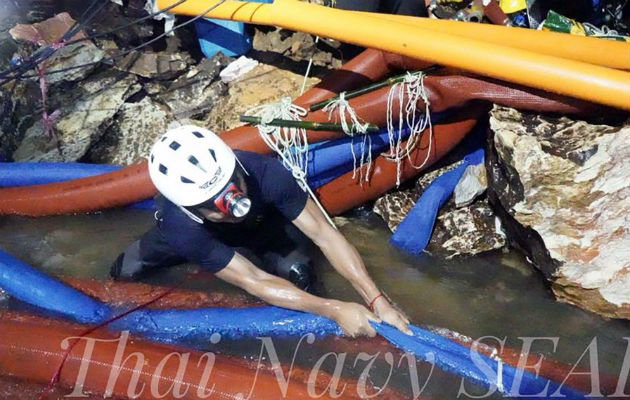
(172,326)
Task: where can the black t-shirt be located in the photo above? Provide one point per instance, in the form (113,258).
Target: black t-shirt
(272,191)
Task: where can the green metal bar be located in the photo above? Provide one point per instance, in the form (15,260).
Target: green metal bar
(309,125)
(355,93)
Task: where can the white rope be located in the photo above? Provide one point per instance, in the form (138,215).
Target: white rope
(408,93)
(291,144)
(604,31)
(346,112)
(308,68)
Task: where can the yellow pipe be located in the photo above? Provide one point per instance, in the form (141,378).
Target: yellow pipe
(607,53)
(573,78)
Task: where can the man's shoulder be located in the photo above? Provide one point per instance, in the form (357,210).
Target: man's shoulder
(247,157)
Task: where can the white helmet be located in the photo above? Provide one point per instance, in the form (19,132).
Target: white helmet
(189,165)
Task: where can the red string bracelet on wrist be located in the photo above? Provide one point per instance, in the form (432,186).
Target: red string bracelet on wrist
(371,306)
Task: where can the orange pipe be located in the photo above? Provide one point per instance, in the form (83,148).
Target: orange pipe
(31,349)
(125,294)
(577,79)
(606,53)
(347,191)
(132,183)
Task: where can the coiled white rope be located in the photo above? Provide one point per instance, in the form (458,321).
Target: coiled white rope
(291,144)
(408,93)
(345,112)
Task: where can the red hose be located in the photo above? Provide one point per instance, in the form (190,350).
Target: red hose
(30,348)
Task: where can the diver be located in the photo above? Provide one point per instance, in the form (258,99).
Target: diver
(243,217)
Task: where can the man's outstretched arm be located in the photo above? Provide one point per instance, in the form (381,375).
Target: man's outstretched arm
(353,318)
(347,261)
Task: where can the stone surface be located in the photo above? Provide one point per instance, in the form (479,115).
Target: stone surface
(17,114)
(160,66)
(85,113)
(561,189)
(292,49)
(196,93)
(130,137)
(264,84)
(462,231)
(66,58)
(84,54)
(45,32)
(467,231)
(472,184)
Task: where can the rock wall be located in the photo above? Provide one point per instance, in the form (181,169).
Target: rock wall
(112,110)
(562,190)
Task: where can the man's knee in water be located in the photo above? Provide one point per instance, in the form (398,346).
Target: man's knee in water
(128,266)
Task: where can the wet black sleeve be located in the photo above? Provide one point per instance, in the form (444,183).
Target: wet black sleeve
(194,242)
(282,190)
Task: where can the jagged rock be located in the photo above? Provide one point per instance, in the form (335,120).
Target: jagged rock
(472,184)
(470,230)
(84,54)
(45,32)
(50,31)
(561,189)
(277,45)
(394,206)
(85,113)
(458,231)
(159,66)
(17,114)
(129,139)
(195,93)
(263,85)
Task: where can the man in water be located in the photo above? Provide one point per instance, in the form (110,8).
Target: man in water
(229,211)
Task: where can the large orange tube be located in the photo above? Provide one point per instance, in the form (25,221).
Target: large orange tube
(133,183)
(443,91)
(31,348)
(607,53)
(577,79)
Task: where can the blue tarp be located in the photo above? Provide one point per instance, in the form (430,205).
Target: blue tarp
(414,231)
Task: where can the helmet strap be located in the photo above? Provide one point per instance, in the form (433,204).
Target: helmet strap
(191,215)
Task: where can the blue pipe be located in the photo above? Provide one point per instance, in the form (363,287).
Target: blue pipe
(330,159)
(38,289)
(37,173)
(33,287)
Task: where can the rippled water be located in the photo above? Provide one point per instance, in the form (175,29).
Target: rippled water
(497,294)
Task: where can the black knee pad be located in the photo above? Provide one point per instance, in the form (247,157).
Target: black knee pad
(297,268)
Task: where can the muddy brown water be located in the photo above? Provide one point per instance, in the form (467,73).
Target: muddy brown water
(497,294)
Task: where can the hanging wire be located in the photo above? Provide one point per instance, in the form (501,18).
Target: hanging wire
(41,54)
(112,58)
(125,52)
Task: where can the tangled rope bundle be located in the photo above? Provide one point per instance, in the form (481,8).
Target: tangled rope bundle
(408,93)
(291,144)
(344,109)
